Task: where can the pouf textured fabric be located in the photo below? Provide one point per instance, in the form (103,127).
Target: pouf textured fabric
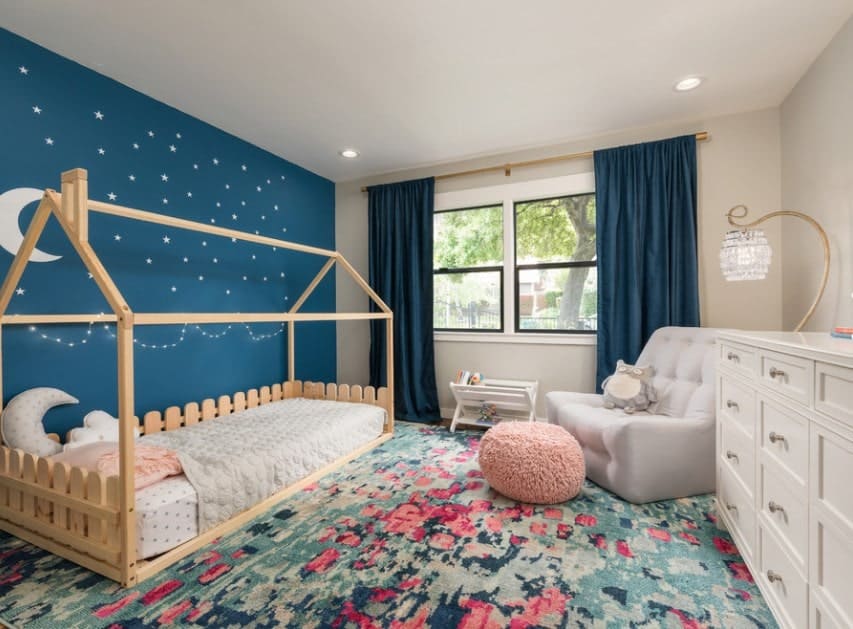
(532,462)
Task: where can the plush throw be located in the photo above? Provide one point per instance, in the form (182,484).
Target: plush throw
(629,388)
(151,464)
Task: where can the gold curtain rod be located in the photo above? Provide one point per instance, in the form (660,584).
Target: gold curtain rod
(507,168)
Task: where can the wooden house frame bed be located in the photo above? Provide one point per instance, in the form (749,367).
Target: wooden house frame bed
(89,518)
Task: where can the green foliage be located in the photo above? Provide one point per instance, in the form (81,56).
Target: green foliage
(468,238)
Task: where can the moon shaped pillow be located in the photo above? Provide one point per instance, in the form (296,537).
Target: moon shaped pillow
(22,425)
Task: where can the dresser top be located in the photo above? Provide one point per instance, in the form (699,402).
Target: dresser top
(819,345)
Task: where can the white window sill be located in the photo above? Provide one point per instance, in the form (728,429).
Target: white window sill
(509,337)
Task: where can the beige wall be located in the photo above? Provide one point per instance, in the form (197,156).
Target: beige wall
(817,178)
(739,164)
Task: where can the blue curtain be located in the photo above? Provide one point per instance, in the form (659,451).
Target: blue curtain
(646,244)
(400,218)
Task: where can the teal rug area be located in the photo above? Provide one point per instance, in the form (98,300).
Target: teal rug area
(410,535)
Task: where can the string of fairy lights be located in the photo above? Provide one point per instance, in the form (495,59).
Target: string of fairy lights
(84,340)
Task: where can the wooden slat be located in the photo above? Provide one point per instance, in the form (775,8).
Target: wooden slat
(317,279)
(343,392)
(44,478)
(173,418)
(60,496)
(297,388)
(369,395)
(96,493)
(16,465)
(208,409)
(4,471)
(266,395)
(153,422)
(382,399)
(191,413)
(331,391)
(26,319)
(28,475)
(77,490)
(113,534)
(224,406)
(179,223)
(16,270)
(356,393)
(61,472)
(276,392)
(252,398)
(287,390)
(239,402)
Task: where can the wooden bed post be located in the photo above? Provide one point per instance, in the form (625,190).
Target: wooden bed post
(75,201)
(291,351)
(127,423)
(389,369)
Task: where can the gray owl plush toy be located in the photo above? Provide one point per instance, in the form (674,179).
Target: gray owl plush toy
(630,388)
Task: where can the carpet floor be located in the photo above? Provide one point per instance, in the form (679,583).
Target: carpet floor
(410,535)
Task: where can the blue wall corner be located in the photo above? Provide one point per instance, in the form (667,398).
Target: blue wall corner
(56,115)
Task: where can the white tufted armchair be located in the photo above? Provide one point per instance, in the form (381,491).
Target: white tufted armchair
(665,453)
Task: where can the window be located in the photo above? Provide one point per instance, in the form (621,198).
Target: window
(555,276)
(468,268)
(517,259)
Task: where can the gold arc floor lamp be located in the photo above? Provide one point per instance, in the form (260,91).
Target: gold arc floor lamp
(745,253)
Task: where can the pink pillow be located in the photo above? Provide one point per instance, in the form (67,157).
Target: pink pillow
(152,463)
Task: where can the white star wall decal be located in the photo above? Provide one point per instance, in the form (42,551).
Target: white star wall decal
(132,177)
(99,115)
(275,207)
(36,109)
(20,291)
(190,195)
(186,259)
(117,237)
(178,135)
(201,278)
(23,70)
(150,134)
(174,289)
(148,260)
(215,162)
(234,217)
(135,146)
(167,240)
(195,166)
(165,201)
(173,148)
(243,168)
(101,151)
(112,196)
(258,188)
(164,177)
(48,141)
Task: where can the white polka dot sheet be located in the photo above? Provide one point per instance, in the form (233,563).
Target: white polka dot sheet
(166,516)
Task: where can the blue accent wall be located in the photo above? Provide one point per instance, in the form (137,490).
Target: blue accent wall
(56,115)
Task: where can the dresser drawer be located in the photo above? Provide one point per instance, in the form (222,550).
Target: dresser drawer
(738,357)
(784,583)
(783,503)
(737,402)
(737,451)
(834,392)
(832,569)
(740,512)
(789,375)
(784,436)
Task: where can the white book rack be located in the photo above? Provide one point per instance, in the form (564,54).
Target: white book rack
(513,400)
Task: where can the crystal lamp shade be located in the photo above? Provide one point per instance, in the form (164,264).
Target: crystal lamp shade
(745,255)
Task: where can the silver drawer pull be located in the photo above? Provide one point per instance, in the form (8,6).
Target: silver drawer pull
(733,357)
(774,437)
(776,373)
(731,507)
(774,507)
(731,455)
(774,577)
(732,404)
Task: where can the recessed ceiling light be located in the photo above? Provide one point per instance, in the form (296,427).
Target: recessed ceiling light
(688,83)
(349,153)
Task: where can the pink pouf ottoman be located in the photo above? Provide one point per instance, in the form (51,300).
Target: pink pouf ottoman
(532,462)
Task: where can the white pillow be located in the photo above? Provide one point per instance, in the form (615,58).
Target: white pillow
(22,425)
(97,426)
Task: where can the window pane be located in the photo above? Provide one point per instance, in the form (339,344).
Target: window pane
(467,301)
(555,230)
(558,299)
(468,238)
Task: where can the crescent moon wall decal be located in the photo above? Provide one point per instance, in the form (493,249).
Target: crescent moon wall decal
(12,203)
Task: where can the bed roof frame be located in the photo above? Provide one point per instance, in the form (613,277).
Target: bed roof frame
(71,209)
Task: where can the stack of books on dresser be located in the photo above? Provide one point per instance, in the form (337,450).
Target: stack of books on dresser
(842,333)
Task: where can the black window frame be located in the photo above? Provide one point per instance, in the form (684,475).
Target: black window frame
(517,268)
(477,269)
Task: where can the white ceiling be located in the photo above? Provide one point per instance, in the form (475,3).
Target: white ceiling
(410,83)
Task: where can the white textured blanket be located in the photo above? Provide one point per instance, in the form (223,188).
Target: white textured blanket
(234,462)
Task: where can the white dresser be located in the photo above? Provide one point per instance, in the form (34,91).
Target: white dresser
(785,469)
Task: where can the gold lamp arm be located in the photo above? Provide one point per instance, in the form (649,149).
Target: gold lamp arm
(740,211)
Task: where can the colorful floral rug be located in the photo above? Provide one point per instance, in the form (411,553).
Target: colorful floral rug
(408,536)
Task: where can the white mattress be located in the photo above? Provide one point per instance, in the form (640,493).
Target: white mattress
(166,516)
(320,431)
